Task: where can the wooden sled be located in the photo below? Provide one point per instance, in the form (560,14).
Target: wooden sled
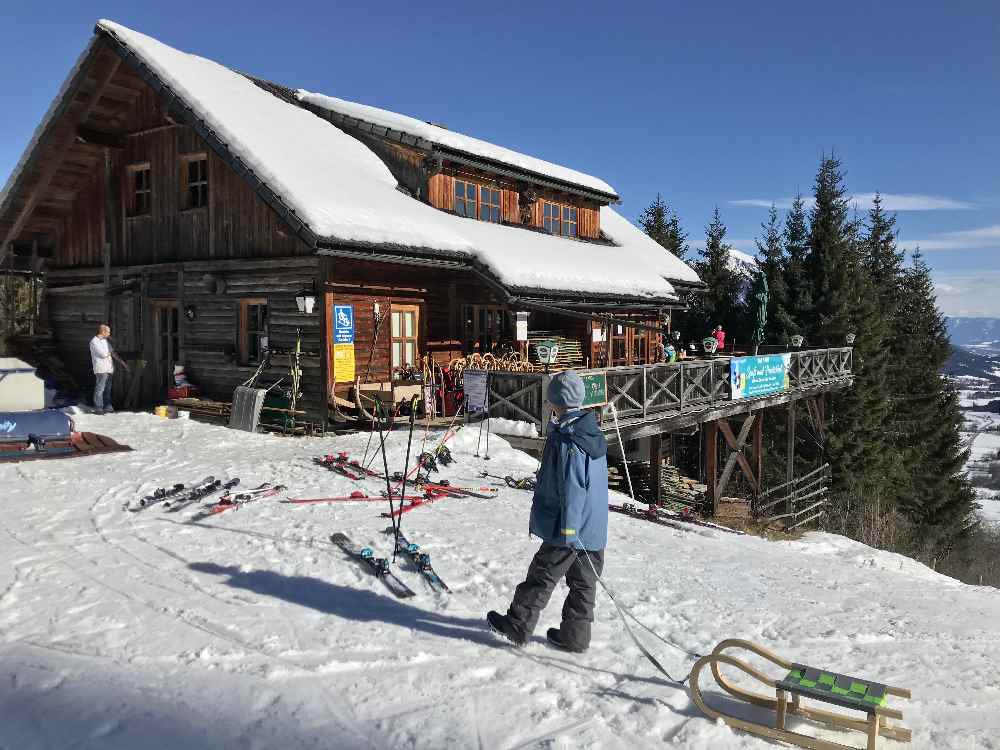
(79,444)
(801,681)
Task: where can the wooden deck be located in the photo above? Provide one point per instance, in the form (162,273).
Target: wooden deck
(664,398)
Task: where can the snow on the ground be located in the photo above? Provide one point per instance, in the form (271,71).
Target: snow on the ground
(986,444)
(989,504)
(249,630)
(982,420)
(501,426)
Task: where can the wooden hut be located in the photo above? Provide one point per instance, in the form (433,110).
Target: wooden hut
(209,216)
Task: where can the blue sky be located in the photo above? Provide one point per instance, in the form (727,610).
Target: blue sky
(727,104)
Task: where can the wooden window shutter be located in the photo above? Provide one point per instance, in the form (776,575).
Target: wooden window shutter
(441,191)
(590,223)
(511,207)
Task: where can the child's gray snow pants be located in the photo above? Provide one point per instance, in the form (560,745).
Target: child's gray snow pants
(551,563)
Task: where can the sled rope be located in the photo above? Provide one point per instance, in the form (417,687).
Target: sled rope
(623,612)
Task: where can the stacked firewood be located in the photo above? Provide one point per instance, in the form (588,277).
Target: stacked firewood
(676,490)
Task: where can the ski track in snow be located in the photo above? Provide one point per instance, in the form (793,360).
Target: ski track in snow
(250,630)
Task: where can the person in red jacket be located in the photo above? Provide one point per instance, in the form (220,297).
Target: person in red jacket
(720,336)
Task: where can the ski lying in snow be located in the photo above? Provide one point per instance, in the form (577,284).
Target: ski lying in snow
(484,493)
(200,490)
(354,497)
(432,496)
(175,505)
(342,458)
(165,494)
(338,467)
(421,560)
(525,483)
(229,501)
(377,566)
(688,518)
(663,518)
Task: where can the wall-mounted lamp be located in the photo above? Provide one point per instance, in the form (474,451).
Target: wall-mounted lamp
(797,341)
(850,339)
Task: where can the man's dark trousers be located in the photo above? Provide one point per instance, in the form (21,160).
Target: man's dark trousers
(551,563)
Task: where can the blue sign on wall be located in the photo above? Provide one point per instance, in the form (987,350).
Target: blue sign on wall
(343,324)
(759,376)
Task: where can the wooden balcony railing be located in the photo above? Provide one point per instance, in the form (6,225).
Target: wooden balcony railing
(647,392)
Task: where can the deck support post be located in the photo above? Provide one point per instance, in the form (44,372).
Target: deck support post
(655,461)
(758,450)
(711,449)
(790,459)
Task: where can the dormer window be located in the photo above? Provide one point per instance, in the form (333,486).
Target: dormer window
(477,201)
(558,219)
(489,204)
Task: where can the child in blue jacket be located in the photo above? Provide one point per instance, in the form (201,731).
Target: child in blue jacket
(569,513)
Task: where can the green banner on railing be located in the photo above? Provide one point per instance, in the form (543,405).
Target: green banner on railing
(759,376)
(596,389)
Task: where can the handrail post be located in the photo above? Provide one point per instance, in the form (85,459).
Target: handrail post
(680,389)
(645,391)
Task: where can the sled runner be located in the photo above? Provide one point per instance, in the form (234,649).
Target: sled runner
(800,681)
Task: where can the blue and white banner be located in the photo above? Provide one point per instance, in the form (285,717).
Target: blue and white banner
(343,324)
(759,376)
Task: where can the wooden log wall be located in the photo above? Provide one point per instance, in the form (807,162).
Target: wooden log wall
(74,318)
(236,223)
(211,340)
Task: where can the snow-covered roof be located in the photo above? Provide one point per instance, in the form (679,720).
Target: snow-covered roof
(346,194)
(457,141)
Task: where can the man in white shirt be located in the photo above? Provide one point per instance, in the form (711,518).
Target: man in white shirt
(103,356)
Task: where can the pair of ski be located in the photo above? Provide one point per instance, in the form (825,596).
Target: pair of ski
(355,497)
(380,566)
(341,464)
(525,483)
(229,501)
(176,495)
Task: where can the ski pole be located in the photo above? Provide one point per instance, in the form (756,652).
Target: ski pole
(406,468)
(621,444)
(385,460)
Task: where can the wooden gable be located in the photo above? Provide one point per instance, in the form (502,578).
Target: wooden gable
(74,194)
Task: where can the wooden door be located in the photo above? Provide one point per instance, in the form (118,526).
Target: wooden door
(166,344)
(405,331)
(619,345)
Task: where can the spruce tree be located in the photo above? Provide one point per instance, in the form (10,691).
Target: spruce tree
(939,500)
(883,265)
(883,260)
(844,303)
(661,223)
(719,303)
(799,294)
(771,260)
(828,261)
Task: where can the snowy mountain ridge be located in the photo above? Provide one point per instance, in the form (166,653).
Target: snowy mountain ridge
(980,332)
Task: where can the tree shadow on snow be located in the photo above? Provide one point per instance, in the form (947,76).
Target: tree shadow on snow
(348,603)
